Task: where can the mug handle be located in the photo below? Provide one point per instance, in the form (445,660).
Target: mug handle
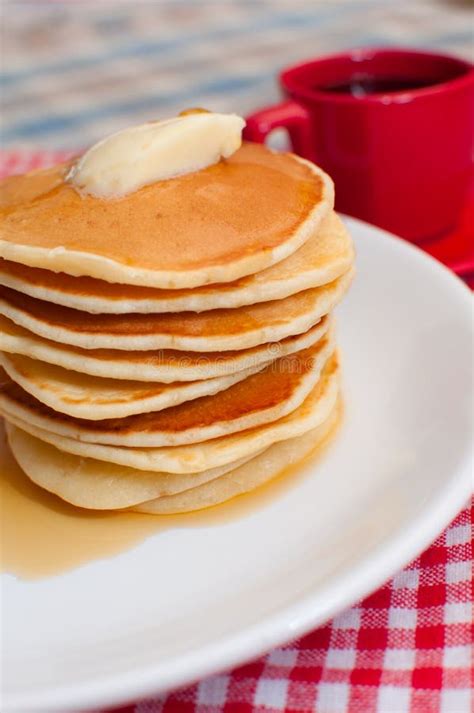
(288,115)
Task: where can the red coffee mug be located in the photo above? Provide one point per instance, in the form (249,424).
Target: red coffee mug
(401,159)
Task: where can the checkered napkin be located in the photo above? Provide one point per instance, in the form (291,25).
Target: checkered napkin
(408,648)
(405,649)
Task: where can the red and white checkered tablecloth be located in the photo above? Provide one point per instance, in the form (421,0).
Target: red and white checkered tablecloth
(407,648)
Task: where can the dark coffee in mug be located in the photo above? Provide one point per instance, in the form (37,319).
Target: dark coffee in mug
(361,85)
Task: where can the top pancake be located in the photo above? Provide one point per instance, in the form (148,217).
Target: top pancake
(215,225)
(324,257)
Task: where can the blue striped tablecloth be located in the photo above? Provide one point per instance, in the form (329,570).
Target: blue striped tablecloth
(73,72)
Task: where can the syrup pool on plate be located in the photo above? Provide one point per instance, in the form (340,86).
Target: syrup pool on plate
(42,536)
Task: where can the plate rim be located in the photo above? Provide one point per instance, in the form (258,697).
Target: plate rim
(292,621)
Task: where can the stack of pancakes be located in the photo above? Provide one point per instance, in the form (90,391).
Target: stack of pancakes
(173,348)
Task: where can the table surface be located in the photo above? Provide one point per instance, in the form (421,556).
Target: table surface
(74,72)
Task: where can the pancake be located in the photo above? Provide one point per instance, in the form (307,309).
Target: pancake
(256,472)
(215,330)
(160,365)
(201,456)
(94,398)
(269,395)
(322,259)
(93,484)
(231,219)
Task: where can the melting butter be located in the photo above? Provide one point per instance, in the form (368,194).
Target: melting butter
(135,157)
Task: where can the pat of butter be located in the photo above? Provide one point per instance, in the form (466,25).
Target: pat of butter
(135,157)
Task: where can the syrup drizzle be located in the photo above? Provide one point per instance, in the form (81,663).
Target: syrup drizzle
(42,536)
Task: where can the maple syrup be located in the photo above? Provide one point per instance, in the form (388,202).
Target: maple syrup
(42,536)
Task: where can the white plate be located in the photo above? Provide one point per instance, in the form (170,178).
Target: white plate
(191,601)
